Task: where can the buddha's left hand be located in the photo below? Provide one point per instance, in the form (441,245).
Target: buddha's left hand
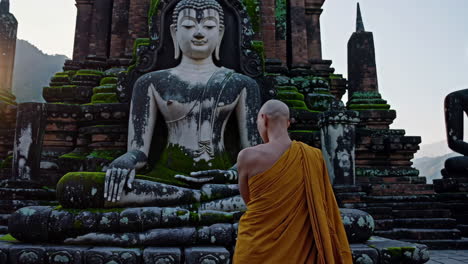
(210,176)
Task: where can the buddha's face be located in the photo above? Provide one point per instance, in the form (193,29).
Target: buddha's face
(197,33)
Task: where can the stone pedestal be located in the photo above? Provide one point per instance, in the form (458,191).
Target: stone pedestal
(338,142)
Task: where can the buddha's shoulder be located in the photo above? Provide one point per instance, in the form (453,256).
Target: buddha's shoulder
(156,76)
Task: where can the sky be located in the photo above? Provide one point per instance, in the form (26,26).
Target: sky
(421,49)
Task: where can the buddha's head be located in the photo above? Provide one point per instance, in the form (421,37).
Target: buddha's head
(198,28)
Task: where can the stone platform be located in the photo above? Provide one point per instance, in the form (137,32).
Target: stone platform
(376,250)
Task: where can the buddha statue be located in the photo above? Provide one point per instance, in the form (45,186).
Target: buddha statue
(456,106)
(193,181)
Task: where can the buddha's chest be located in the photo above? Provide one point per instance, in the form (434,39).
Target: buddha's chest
(199,102)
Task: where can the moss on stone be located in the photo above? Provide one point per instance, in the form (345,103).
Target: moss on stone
(394,251)
(369,107)
(175,160)
(89,72)
(334,76)
(286,88)
(8,238)
(104,98)
(295,103)
(253,9)
(108,88)
(106,154)
(289,95)
(109,80)
(74,155)
(91,210)
(139,42)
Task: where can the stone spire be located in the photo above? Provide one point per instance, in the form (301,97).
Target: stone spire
(4,6)
(359,22)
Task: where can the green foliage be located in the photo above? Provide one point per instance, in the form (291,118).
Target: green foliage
(253,9)
(153,9)
(136,45)
(335,76)
(281,19)
(7,162)
(259,47)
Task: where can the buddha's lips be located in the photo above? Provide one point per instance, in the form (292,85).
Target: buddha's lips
(199,43)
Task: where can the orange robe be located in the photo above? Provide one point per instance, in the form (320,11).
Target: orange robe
(292,216)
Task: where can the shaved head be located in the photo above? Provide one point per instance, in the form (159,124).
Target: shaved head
(273,119)
(275,110)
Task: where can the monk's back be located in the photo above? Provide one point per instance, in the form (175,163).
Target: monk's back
(265,156)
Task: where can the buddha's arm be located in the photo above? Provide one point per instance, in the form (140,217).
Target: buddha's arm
(454,111)
(246,111)
(143,111)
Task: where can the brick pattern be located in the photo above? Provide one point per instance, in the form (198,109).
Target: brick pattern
(137,22)
(299,50)
(100,28)
(82,31)
(119,29)
(362,70)
(268,28)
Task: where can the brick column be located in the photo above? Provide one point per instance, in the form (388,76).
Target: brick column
(314,41)
(8,31)
(137,22)
(298,39)
(82,29)
(100,28)
(362,69)
(269,27)
(119,31)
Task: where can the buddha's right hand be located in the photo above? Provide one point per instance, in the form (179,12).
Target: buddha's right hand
(121,172)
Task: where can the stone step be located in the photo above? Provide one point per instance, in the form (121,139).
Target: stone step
(392,179)
(383,224)
(4,219)
(400,198)
(463,229)
(3,229)
(419,234)
(431,223)
(27,194)
(410,205)
(346,188)
(440,244)
(379,212)
(399,189)
(432,213)
(353,197)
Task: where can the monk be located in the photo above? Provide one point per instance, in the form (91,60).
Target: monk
(292,215)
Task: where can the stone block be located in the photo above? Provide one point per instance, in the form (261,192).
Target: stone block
(64,255)
(26,254)
(162,255)
(364,254)
(109,254)
(207,255)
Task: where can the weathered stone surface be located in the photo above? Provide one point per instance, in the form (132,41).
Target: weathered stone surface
(205,255)
(162,255)
(392,251)
(359,225)
(110,255)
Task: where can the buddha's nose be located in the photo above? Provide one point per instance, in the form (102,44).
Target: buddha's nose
(198,35)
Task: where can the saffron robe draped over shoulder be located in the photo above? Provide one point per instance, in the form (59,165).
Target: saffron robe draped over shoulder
(292,216)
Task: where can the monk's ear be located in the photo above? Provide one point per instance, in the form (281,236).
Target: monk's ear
(289,123)
(176,43)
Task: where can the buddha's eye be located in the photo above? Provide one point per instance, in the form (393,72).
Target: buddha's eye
(209,24)
(187,24)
